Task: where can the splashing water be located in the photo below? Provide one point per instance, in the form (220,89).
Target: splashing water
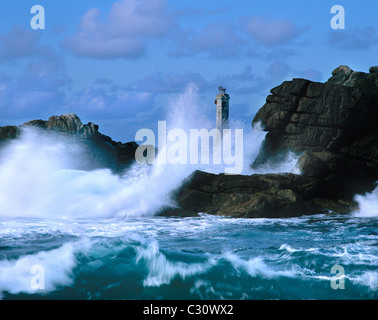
(189,258)
(109,244)
(368,204)
(43,175)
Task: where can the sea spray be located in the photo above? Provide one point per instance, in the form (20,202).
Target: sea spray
(205,257)
(367,204)
(162,271)
(54,268)
(43,174)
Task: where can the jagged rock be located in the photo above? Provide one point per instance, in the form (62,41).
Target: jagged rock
(373,69)
(331,125)
(337,118)
(256,196)
(170,211)
(8,132)
(312,165)
(101,149)
(68,123)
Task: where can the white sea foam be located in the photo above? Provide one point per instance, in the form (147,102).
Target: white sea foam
(16,275)
(367,204)
(287,248)
(162,271)
(256,267)
(42,175)
(38,179)
(368,279)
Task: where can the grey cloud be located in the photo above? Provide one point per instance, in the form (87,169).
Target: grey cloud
(160,82)
(248,37)
(101,104)
(21,43)
(125,31)
(219,40)
(358,38)
(103,81)
(38,91)
(270,32)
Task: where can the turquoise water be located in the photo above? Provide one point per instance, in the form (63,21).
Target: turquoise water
(71,232)
(189,258)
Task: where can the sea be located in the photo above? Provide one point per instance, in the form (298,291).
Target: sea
(69,232)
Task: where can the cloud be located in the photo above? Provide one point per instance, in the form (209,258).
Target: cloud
(161,82)
(173,83)
(270,32)
(310,74)
(99,103)
(21,43)
(219,40)
(127,30)
(245,75)
(124,32)
(280,71)
(358,38)
(103,81)
(192,11)
(233,82)
(40,86)
(247,82)
(119,114)
(232,40)
(37,91)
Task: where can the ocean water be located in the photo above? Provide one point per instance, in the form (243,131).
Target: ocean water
(69,232)
(189,258)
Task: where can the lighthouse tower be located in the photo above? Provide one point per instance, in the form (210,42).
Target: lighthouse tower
(222,102)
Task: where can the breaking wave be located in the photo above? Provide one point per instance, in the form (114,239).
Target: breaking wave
(16,275)
(44,175)
(367,204)
(188,258)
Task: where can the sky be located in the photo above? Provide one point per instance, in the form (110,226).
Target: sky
(120,64)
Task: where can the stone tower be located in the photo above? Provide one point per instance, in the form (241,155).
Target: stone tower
(222,102)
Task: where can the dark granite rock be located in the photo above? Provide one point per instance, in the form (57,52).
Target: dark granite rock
(256,196)
(170,211)
(333,123)
(333,126)
(8,132)
(101,149)
(68,123)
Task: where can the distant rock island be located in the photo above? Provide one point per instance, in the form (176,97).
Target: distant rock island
(333,126)
(105,152)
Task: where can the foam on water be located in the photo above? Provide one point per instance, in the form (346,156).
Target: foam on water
(368,279)
(162,271)
(213,257)
(256,267)
(368,204)
(94,232)
(16,275)
(44,175)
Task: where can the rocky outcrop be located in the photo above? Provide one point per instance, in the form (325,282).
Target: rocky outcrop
(332,125)
(339,116)
(69,124)
(8,132)
(257,196)
(101,149)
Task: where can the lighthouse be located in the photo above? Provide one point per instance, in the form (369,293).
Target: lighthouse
(222,102)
